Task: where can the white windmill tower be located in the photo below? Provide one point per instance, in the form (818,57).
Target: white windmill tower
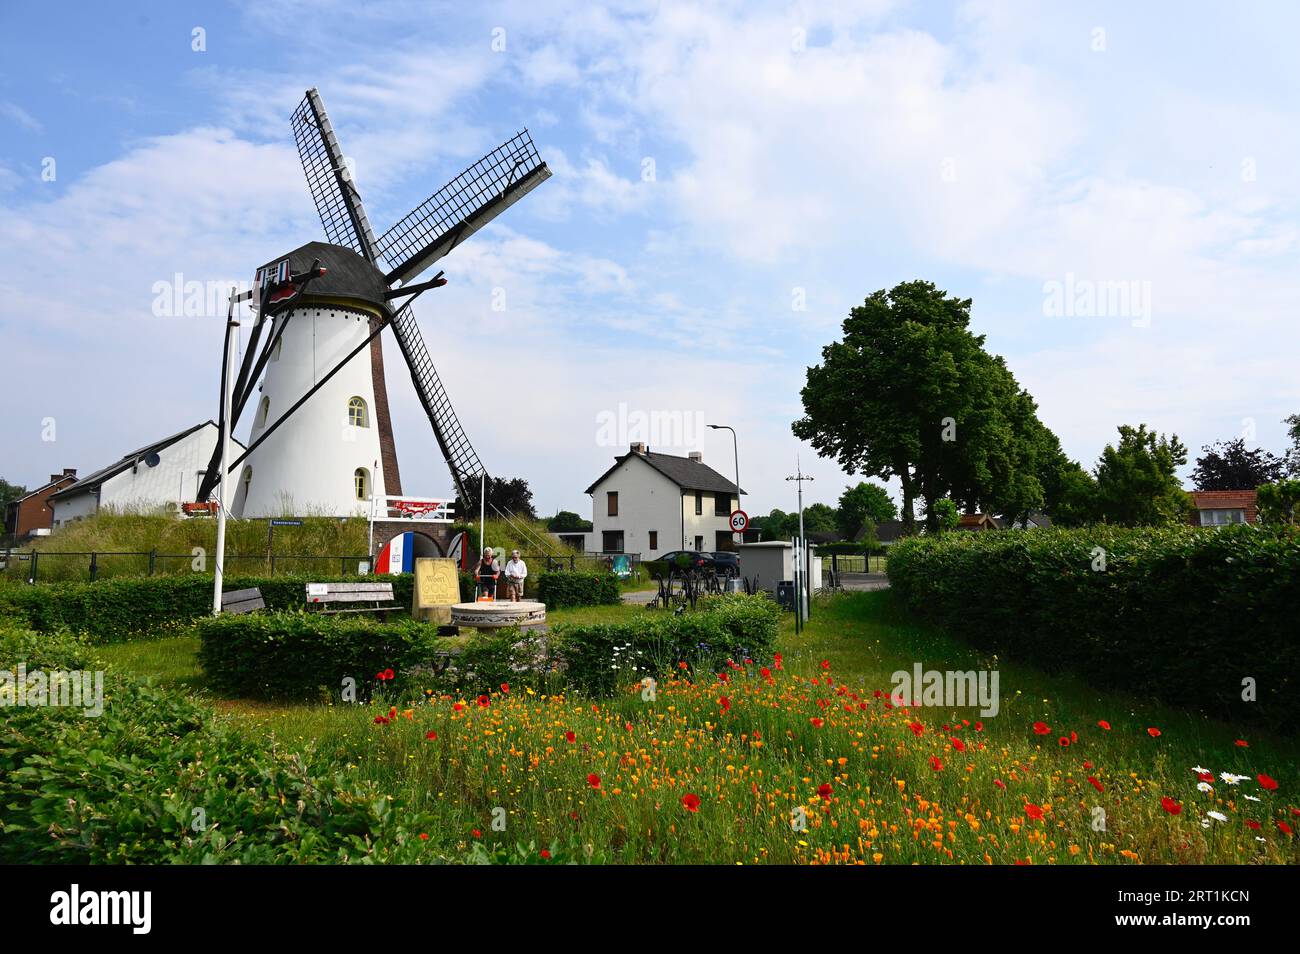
(321,438)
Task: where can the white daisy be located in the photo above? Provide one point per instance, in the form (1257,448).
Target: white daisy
(1232,779)
(1204,787)
(1218,816)
(1250,798)
(1200,770)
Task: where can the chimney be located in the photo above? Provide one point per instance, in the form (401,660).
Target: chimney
(69,472)
(637,447)
(696,456)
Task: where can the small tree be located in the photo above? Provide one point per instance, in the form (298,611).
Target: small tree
(1279,502)
(511,497)
(861,505)
(566,521)
(944,513)
(1231,466)
(1136,480)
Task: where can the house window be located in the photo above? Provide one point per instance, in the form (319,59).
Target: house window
(699,543)
(611,506)
(722,505)
(611,541)
(723,540)
(654,539)
(1221,518)
(699,503)
(357,413)
(361,483)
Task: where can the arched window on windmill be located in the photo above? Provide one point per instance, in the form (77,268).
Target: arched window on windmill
(361,483)
(275,352)
(264,411)
(245,481)
(358,416)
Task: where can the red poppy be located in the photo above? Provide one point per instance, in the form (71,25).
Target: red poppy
(484,702)
(458,707)
(1242,743)
(1034,811)
(959,745)
(765,673)
(1153,732)
(389,674)
(1095,784)
(1041,728)
(682,664)
(776,661)
(1296,812)
(826,664)
(505,688)
(431,735)
(824,790)
(1104,724)
(381,720)
(1074,736)
(1266,782)
(476,833)
(817,723)
(691,802)
(1087,764)
(1063,742)
(917,729)
(593,780)
(1171,806)
(1252,825)
(424,836)
(725,703)
(979,726)
(935,763)
(545,853)
(570,737)
(999,783)
(1284,828)
(1205,776)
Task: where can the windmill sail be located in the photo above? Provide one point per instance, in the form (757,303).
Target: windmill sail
(462,460)
(462,207)
(337,200)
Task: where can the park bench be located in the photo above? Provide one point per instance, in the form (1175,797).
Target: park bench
(239,602)
(340,597)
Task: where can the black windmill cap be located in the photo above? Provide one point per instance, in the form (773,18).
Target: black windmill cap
(347,274)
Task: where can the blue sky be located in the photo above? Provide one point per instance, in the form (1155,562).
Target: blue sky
(807,153)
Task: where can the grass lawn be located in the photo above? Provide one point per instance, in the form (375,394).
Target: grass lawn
(807,764)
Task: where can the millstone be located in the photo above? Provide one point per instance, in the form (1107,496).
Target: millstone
(498,614)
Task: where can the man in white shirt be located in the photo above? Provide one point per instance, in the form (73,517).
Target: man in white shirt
(516,572)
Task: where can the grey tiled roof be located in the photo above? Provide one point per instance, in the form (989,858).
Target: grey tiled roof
(685,473)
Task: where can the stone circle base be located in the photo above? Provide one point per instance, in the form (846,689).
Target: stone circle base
(498,614)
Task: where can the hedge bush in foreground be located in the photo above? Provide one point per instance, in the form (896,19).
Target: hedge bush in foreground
(129,607)
(1183,613)
(299,655)
(125,786)
(559,589)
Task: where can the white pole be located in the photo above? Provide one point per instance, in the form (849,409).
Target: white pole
(227,380)
(803,600)
(482,506)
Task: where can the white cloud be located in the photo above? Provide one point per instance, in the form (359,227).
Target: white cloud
(15,113)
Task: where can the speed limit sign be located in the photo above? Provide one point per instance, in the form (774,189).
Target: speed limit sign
(739,521)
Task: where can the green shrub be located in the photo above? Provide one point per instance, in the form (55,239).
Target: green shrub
(298,655)
(138,607)
(1182,613)
(577,589)
(596,658)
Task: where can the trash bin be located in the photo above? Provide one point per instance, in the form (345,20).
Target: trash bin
(785,594)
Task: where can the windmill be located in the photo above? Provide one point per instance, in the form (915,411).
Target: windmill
(321,436)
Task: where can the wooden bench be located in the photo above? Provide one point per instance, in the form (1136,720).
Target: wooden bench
(239,602)
(377,596)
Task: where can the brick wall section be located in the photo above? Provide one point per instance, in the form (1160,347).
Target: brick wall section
(387,448)
(1225,500)
(35,512)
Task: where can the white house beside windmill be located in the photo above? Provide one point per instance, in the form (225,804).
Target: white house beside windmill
(650,503)
(321,441)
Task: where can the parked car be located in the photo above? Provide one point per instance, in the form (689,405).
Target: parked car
(688,559)
(726,562)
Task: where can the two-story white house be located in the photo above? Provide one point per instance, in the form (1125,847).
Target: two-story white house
(650,503)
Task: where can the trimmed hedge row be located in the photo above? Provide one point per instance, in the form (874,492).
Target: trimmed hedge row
(1182,613)
(577,589)
(137,607)
(124,787)
(308,656)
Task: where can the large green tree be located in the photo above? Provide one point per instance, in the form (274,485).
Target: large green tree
(1231,465)
(1136,480)
(910,393)
(862,505)
(9,493)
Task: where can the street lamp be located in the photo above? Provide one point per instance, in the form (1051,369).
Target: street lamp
(735,450)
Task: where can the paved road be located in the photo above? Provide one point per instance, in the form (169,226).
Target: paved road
(640,597)
(864,581)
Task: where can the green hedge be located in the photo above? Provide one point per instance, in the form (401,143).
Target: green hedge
(137,607)
(124,787)
(1182,613)
(577,589)
(298,655)
(597,658)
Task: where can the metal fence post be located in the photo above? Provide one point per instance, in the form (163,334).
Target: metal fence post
(35,555)
(273,564)
(153,559)
(94,566)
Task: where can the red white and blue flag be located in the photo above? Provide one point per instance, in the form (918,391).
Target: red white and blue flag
(398,555)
